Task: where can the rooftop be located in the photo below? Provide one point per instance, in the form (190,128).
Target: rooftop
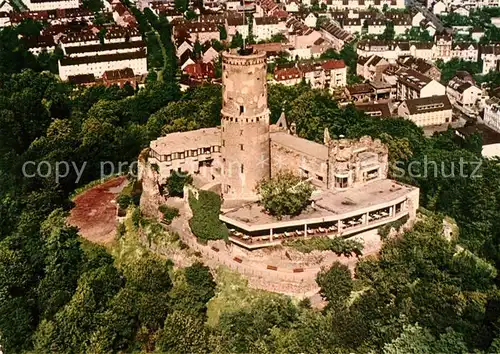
(182,141)
(304,146)
(327,205)
(428,104)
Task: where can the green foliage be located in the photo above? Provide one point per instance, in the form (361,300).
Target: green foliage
(205,223)
(169,213)
(222,33)
(389,33)
(417,340)
(449,68)
(176,182)
(284,194)
(336,283)
(124,201)
(384,230)
(338,245)
(237,40)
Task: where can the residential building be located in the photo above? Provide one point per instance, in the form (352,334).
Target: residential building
(85,54)
(327,74)
(443,47)
(200,71)
(427,111)
(376,26)
(490,56)
(336,35)
(287,76)
(422,50)
(376,110)
(44,5)
(422,66)
(265,27)
(200,31)
(237,24)
(371,68)
(412,84)
(465,51)
(491,115)
(463,95)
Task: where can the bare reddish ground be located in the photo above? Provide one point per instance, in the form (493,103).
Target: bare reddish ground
(95,211)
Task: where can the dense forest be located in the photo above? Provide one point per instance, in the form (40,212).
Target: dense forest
(58,293)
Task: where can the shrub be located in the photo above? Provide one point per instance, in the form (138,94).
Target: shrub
(136,217)
(124,201)
(205,223)
(384,230)
(339,246)
(169,213)
(176,182)
(136,193)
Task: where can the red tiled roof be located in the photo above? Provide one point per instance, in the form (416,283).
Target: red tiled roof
(286,74)
(333,64)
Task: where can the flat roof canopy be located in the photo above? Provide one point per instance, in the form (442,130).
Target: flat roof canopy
(327,206)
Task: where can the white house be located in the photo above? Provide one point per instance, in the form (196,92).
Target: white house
(490,55)
(210,55)
(492,114)
(416,19)
(311,20)
(265,27)
(439,8)
(463,94)
(411,84)
(428,111)
(462,11)
(43,5)
(84,54)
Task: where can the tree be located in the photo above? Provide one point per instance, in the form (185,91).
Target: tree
(222,33)
(237,40)
(335,283)
(183,333)
(389,32)
(284,194)
(417,340)
(181,5)
(176,182)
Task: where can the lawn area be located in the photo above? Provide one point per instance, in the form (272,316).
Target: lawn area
(232,294)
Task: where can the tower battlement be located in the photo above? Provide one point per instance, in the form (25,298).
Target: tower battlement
(243,57)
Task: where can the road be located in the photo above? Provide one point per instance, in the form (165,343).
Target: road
(428,14)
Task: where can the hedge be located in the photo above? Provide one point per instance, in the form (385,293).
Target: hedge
(205,223)
(169,213)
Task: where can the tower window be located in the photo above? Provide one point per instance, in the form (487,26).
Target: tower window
(241,132)
(242,109)
(223,143)
(241,168)
(241,147)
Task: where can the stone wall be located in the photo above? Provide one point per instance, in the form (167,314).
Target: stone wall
(283,157)
(150,198)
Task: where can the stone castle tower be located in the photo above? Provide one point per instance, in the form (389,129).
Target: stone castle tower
(245,123)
